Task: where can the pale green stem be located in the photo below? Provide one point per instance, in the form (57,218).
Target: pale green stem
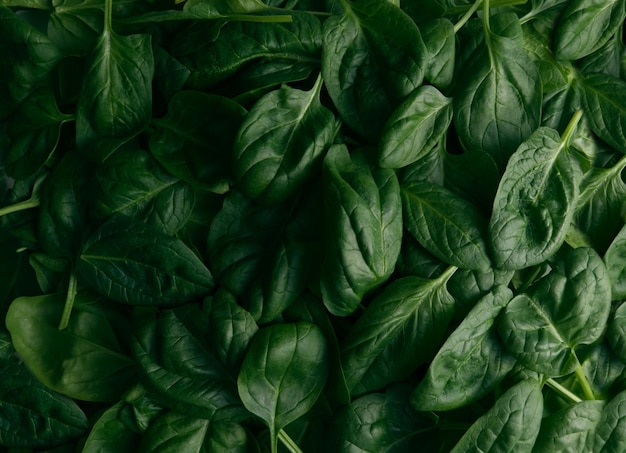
(563,391)
(584,382)
(69,301)
(288,442)
(571,128)
(470,12)
(21,206)
(108,15)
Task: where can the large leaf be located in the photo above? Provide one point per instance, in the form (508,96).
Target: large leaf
(87,360)
(535,201)
(568,307)
(32,415)
(281,143)
(181,367)
(471,361)
(364,229)
(135,263)
(109,434)
(610,434)
(512,424)
(134,185)
(448,226)
(401,329)
(115,102)
(283,373)
(194,140)
(372,58)
(498,104)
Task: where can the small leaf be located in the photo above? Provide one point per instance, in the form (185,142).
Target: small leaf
(283,373)
(616,333)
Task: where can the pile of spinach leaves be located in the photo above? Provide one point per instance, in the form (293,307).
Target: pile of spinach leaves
(312,225)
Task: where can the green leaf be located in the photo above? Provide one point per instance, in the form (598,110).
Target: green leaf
(414,128)
(512,424)
(568,429)
(498,104)
(604,102)
(265,255)
(75,25)
(281,142)
(615,260)
(115,102)
(28,60)
(364,229)
(180,366)
(34,130)
(616,333)
(471,361)
(400,329)
(448,226)
(134,185)
(135,263)
(109,434)
(601,208)
(585,26)
(610,434)
(174,432)
(85,361)
(32,415)
(439,38)
(194,140)
(377,423)
(372,58)
(283,373)
(535,201)
(566,308)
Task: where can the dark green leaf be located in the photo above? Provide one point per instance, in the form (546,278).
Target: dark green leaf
(616,333)
(610,434)
(109,434)
(615,260)
(439,39)
(372,58)
(364,229)
(281,143)
(137,264)
(86,360)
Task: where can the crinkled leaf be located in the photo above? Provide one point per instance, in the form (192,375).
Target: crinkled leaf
(610,434)
(414,128)
(448,226)
(568,307)
(281,143)
(363,229)
(512,424)
(401,329)
(535,201)
(372,58)
(137,264)
(471,361)
(615,260)
(616,333)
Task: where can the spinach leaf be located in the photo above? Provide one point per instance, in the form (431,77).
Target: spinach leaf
(498,105)
(535,201)
(586,26)
(85,361)
(106,119)
(604,101)
(283,373)
(439,39)
(448,226)
(566,308)
(181,368)
(75,25)
(199,128)
(512,424)
(137,264)
(133,184)
(614,260)
(401,329)
(109,433)
(364,229)
(414,128)
(281,143)
(471,361)
(33,416)
(616,333)
(610,434)
(372,58)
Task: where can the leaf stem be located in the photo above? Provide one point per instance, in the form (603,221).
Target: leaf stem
(69,301)
(288,442)
(21,206)
(468,14)
(108,15)
(563,391)
(571,128)
(583,381)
